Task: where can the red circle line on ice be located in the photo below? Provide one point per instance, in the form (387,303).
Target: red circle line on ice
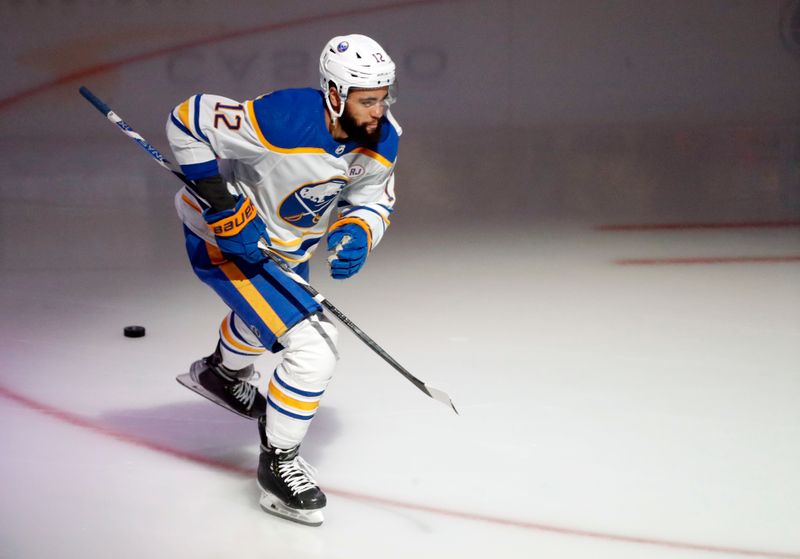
(90,425)
(104,67)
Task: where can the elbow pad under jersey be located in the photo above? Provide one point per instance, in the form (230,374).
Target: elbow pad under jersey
(214,191)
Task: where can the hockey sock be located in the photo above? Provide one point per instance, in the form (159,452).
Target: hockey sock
(238,345)
(300,380)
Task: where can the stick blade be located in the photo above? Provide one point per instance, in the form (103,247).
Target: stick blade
(441,396)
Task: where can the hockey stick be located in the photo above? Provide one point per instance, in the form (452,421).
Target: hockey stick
(318,297)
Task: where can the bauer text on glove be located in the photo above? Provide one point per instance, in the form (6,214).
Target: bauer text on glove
(237,230)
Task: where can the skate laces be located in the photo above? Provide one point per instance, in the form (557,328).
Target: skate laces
(298,474)
(245,393)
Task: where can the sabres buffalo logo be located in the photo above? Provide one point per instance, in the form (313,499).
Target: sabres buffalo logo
(307,204)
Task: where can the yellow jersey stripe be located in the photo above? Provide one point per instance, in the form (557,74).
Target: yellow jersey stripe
(183,114)
(374,155)
(276,393)
(228,336)
(247,290)
(215,254)
(251,113)
(189,201)
(281,243)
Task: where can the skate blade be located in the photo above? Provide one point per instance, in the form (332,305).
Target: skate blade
(190,383)
(272,505)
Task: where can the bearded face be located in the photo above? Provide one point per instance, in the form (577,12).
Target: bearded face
(363,111)
(365,133)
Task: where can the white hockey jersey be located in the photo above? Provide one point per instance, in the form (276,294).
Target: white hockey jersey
(277,151)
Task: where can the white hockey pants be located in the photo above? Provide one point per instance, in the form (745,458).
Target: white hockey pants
(300,379)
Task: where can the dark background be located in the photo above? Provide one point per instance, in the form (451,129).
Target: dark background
(514,112)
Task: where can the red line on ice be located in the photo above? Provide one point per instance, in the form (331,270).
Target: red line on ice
(90,425)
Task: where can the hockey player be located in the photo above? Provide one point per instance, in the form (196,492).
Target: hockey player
(278,173)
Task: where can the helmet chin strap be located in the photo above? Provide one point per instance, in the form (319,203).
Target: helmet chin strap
(335,115)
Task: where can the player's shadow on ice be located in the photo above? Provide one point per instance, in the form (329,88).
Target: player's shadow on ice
(204,430)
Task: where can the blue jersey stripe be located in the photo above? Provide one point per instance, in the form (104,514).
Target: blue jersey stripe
(296,390)
(287,412)
(180,126)
(194,171)
(197,118)
(237,352)
(232,324)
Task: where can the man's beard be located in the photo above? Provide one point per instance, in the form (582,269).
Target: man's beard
(359,133)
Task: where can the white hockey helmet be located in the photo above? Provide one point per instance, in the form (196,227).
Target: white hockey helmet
(355,61)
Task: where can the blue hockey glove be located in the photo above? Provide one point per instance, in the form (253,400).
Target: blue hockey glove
(351,240)
(238,230)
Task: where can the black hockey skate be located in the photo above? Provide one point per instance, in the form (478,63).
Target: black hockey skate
(287,488)
(227,388)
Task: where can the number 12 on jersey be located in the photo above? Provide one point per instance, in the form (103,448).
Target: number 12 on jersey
(222,112)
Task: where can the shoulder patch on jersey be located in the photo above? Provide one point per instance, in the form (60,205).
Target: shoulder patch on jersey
(292,121)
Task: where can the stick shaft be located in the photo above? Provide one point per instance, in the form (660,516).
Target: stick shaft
(347,322)
(132,134)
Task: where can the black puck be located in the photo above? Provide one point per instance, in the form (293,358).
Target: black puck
(133,331)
